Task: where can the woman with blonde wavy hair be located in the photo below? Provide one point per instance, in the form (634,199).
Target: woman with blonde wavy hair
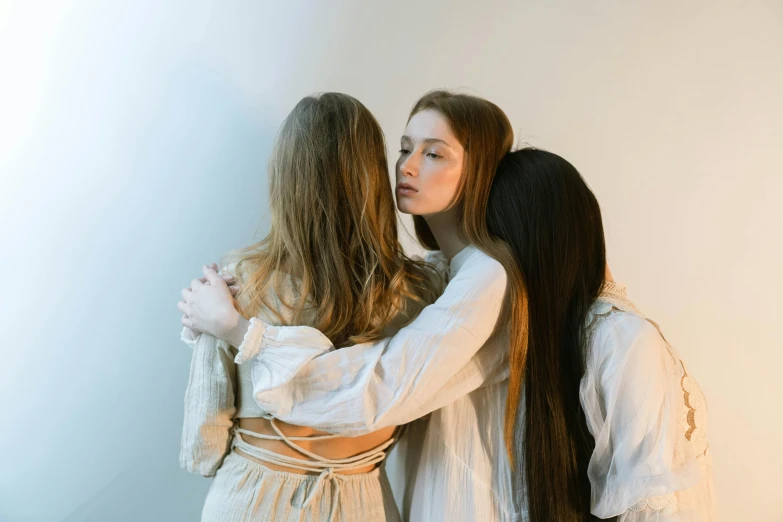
(332,261)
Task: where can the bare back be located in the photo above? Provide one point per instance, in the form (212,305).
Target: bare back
(332,448)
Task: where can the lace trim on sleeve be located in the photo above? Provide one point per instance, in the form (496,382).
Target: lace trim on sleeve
(694,415)
(656,503)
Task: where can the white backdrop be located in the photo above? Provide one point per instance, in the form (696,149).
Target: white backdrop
(133,144)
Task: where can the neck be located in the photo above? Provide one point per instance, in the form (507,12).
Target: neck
(444,227)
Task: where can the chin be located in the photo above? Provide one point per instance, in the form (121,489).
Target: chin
(405,207)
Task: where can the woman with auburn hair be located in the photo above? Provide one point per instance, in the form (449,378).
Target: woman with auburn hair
(331,260)
(450,361)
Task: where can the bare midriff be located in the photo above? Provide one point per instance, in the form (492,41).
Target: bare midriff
(333,448)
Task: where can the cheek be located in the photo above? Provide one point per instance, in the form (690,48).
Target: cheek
(443,184)
(437,189)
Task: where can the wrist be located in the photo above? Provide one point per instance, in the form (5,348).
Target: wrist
(235,328)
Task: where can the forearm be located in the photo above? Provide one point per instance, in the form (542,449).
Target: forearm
(235,330)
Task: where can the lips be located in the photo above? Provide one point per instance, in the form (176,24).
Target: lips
(405,189)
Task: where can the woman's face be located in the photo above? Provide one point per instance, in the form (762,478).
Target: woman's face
(430,165)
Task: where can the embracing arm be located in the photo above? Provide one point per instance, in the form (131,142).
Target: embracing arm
(300,378)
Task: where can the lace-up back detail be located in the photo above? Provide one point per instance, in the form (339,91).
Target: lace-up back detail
(327,469)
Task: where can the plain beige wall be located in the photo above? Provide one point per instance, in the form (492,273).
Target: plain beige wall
(134,144)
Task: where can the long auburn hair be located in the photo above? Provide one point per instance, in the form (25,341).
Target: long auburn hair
(333,228)
(542,208)
(485,133)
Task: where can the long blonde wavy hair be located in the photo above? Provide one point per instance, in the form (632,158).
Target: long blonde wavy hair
(333,229)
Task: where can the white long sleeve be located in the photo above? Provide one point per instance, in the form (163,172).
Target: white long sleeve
(210,405)
(301,379)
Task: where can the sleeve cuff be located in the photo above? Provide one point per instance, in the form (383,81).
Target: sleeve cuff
(189,337)
(251,343)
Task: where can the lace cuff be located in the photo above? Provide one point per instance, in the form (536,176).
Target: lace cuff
(251,343)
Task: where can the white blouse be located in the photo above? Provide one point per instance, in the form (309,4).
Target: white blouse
(647,414)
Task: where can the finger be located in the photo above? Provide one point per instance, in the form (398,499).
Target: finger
(212,276)
(228,278)
(234,289)
(186,293)
(182,307)
(186,322)
(195,284)
(214,267)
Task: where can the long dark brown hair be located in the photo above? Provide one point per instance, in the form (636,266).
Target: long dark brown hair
(542,208)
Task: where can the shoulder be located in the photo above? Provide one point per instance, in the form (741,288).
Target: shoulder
(631,367)
(279,300)
(476,280)
(470,267)
(485,269)
(619,336)
(628,327)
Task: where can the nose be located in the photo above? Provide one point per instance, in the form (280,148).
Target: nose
(408,166)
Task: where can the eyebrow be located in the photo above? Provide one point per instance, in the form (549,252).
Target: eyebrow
(427,140)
